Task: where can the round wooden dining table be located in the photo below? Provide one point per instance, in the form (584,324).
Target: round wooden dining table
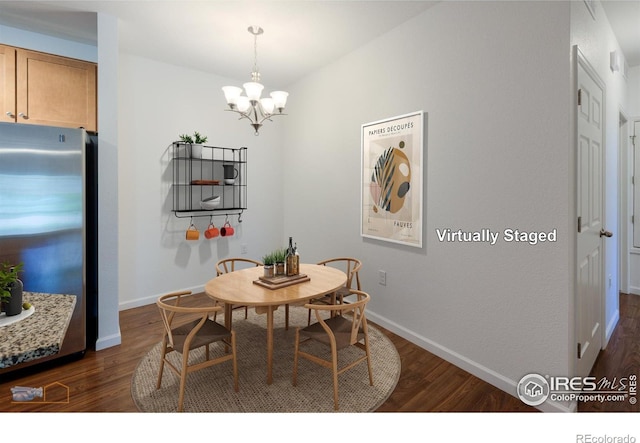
(241,288)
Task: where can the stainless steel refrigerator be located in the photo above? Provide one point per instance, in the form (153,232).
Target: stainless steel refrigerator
(48,220)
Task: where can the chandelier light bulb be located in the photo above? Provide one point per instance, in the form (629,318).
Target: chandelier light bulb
(267,105)
(231,94)
(279,99)
(253,90)
(243,104)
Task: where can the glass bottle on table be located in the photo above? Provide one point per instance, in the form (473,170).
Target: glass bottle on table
(292,262)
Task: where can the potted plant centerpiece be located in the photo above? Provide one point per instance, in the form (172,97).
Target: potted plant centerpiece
(279,257)
(196,141)
(268,265)
(10,289)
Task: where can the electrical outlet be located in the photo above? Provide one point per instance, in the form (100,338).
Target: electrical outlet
(243,249)
(382,278)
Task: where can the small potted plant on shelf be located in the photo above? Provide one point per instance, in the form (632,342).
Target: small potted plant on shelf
(279,256)
(196,141)
(10,289)
(268,261)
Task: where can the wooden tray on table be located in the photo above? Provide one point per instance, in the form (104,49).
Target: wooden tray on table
(281,281)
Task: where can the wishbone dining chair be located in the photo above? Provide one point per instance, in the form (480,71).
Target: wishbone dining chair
(183,334)
(337,332)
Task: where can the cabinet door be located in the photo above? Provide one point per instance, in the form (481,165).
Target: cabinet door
(7,84)
(55,91)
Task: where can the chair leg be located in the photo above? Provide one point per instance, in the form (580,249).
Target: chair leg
(246,312)
(366,349)
(235,361)
(164,352)
(296,347)
(183,380)
(334,367)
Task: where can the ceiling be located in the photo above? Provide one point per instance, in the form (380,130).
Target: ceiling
(624,17)
(299,36)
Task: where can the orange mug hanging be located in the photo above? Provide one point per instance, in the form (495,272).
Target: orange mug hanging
(211,231)
(192,232)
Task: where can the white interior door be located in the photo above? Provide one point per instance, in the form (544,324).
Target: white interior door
(590,198)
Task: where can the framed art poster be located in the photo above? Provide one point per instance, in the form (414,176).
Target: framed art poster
(392,179)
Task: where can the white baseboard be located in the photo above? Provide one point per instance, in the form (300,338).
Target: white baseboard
(611,326)
(634,290)
(107,342)
(482,372)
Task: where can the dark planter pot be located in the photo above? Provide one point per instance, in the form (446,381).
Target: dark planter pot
(14,306)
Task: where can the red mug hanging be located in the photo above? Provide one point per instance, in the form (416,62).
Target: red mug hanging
(226,230)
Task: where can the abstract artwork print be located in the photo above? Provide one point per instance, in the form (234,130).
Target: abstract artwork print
(392,179)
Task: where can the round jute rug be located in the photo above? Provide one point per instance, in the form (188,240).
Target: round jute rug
(211,389)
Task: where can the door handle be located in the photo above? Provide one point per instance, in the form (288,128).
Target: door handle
(11,114)
(23,115)
(604,233)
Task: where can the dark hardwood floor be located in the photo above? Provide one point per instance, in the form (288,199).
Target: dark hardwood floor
(100,381)
(621,359)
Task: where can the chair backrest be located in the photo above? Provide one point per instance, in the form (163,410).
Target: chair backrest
(356,309)
(352,266)
(231,264)
(169,306)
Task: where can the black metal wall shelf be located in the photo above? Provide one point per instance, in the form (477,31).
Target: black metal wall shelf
(198,174)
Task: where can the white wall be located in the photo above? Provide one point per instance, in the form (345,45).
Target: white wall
(157,102)
(494,80)
(634,91)
(108,195)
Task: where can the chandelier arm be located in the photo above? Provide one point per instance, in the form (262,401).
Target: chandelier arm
(255,113)
(242,114)
(268,117)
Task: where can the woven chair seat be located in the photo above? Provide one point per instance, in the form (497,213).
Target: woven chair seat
(210,332)
(341,328)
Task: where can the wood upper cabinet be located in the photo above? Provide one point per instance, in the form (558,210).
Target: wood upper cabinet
(7,84)
(52,90)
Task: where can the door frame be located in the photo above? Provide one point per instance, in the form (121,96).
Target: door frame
(625,201)
(579,59)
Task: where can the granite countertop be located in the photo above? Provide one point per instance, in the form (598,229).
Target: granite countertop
(40,334)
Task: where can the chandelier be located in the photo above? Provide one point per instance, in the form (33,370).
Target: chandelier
(251,106)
